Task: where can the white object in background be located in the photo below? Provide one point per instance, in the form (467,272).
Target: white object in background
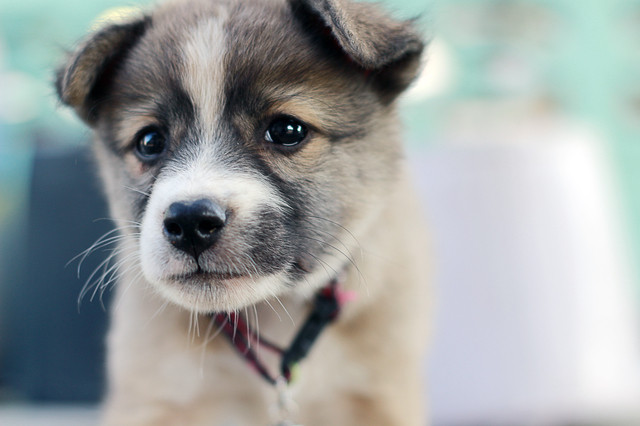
(437,75)
(536,318)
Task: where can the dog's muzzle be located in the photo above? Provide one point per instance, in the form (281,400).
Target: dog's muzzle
(194,227)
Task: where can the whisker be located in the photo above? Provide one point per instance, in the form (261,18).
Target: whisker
(90,281)
(108,275)
(344,255)
(114,271)
(255,315)
(324,265)
(217,332)
(341,227)
(146,194)
(117,273)
(135,280)
(108,219)
(205,343)
(248,323)
(273,309)
(156,313)
(102,242)
(235,324)
(317,231)
(285,309)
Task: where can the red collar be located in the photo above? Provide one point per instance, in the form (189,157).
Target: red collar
(326,308)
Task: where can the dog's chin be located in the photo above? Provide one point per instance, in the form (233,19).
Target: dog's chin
(207,292)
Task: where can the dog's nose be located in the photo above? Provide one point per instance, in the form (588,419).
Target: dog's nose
(195,226)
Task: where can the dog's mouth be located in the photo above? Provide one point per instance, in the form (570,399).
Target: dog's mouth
(207,277)
(219,290)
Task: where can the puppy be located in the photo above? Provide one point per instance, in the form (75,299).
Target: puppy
(251,157)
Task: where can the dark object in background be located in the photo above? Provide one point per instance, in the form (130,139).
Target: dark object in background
(53,350)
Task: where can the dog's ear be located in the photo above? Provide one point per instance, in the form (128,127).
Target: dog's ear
(84,81)
(389,49)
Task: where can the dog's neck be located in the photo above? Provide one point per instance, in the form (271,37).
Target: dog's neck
(325,309)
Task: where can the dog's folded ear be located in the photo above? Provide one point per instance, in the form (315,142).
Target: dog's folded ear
(389,49)
(84,81)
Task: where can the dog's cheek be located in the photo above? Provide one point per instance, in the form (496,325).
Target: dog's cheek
(136,169)
(122,191)
(275,250)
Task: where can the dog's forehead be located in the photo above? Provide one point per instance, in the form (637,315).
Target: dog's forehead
(230,49)
(205,67)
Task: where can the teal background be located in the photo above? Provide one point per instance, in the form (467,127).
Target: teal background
(576,60)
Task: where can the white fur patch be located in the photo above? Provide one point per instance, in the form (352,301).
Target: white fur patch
(203,54)
(243,193)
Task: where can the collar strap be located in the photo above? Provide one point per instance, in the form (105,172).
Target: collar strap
(326,308)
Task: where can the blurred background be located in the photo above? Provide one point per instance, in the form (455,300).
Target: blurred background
(524,137)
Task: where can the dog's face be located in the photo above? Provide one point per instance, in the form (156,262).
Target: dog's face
(249,142)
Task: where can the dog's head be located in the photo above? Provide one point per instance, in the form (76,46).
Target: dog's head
(249,142)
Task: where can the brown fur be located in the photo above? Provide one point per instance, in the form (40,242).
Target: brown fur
(211,75)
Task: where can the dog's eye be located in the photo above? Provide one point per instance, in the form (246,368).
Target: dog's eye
(286,131)
(150,144)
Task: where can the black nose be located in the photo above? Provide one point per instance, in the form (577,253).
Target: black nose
(193,227)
